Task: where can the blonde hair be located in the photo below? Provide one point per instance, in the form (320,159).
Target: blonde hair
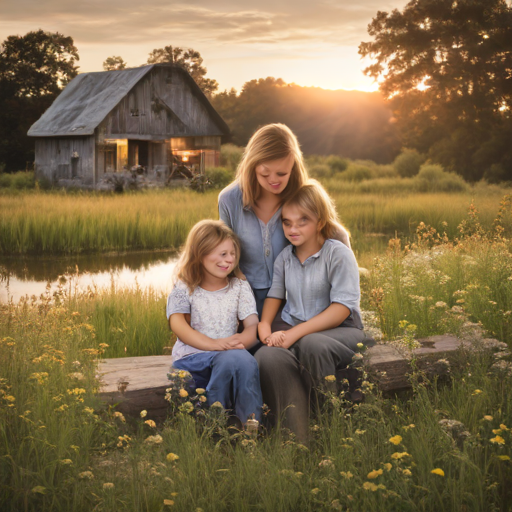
(313,198)
(202,239)
(271,142)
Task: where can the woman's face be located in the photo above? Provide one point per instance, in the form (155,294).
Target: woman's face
(273,175)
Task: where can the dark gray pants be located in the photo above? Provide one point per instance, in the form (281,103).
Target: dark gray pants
(288,376)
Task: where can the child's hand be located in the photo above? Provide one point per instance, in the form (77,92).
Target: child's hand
(230,343)
(264,331)
(276,339)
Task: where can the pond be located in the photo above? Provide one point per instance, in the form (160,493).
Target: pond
(30,275)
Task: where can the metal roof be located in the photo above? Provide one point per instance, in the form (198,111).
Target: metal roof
(87,100)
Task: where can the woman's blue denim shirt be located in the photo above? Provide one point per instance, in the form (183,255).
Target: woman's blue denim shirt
(256,262)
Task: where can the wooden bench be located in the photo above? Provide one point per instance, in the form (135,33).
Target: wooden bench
(137,383)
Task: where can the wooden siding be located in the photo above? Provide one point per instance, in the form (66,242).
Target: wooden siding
(162,105)
(65,158)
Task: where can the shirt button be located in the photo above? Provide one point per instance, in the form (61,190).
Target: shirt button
(267,252)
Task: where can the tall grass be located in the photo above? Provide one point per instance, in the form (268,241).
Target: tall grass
(59,222)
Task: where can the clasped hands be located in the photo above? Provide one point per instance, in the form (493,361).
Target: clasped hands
(282,339)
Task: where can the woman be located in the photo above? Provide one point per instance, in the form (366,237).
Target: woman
(272,169)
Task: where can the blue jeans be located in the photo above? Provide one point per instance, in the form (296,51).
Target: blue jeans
(230,377)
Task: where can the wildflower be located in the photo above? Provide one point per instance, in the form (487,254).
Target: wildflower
(360,345)
(169,503)
(438,471)
(86,475)
(399,455)
(187,407)
(488,418)
(498,440)
(150,423)
(330,378)
(326,463)
(40,377)
(171,457)
(496,431)
(359,432)
(315,491)
(503,427)
(348,475)
(66,462)
(476,392)
(387,466)
(154,439)
(143,413)
(396,440)
(108,485)
(441,304)
(202,399)
(406,472)
(200,391)
(374,474)
(183,374)
(183,393)
(76,375)
(62,408)
(89,410)
(119,415)
(369,486)
(218,405)
(76,391)
(408,427)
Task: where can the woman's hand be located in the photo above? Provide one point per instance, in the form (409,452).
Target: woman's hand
(264,331)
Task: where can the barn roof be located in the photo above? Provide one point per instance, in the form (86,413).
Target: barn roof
(90,97)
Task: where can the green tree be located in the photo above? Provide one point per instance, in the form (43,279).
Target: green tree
(188,59)
(114,63)
(446,68)
(33,70)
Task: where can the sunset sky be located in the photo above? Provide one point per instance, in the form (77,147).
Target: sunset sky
(309,43)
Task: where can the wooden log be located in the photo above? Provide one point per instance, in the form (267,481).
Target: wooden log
(137,383)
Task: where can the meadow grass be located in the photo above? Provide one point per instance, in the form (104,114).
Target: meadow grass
(59,450)
(59,222)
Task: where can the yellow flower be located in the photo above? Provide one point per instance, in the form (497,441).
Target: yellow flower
(153,439)
(66,461)
(200,391)
(119,415)
(202,399)
(360,345)
(330,378)
(374,474)
(498,440)
(217,404)
(399,455)
(183,374)
(496,431)
(171,457)
(359,432)
(503,427)
(388,466)
(476,392)
(395,440)
(108,485)
(183,393)
(370,486)
(348,475)
(86,475)
(406,472)
(150,423)
(503,457)
(169,503)
(143,413)
(488,418)
(316,490)
(438,471)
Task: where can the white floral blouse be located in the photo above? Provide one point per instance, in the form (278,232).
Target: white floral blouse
(214,314)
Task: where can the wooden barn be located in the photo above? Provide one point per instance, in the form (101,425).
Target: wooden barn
(154,118)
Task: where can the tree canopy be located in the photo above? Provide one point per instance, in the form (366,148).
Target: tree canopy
(446,68)
(189,60)
(33,70)
(353,124)
(114,63)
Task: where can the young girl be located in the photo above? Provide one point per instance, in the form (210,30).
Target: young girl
(319,278)
(204,307)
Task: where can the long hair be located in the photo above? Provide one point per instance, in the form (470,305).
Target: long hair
(203,238)
(271,142)
(313,198)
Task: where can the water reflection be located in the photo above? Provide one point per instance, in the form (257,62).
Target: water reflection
(30,276)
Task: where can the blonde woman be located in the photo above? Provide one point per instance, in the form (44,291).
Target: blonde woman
(204,309)
(272,170)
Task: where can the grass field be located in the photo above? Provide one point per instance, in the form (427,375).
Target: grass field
(61,451)
(34,222)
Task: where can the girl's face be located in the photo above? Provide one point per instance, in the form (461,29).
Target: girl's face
(221,261)
(300,227)
(273,176)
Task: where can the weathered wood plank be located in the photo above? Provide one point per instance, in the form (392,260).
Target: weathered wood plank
(137,383)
